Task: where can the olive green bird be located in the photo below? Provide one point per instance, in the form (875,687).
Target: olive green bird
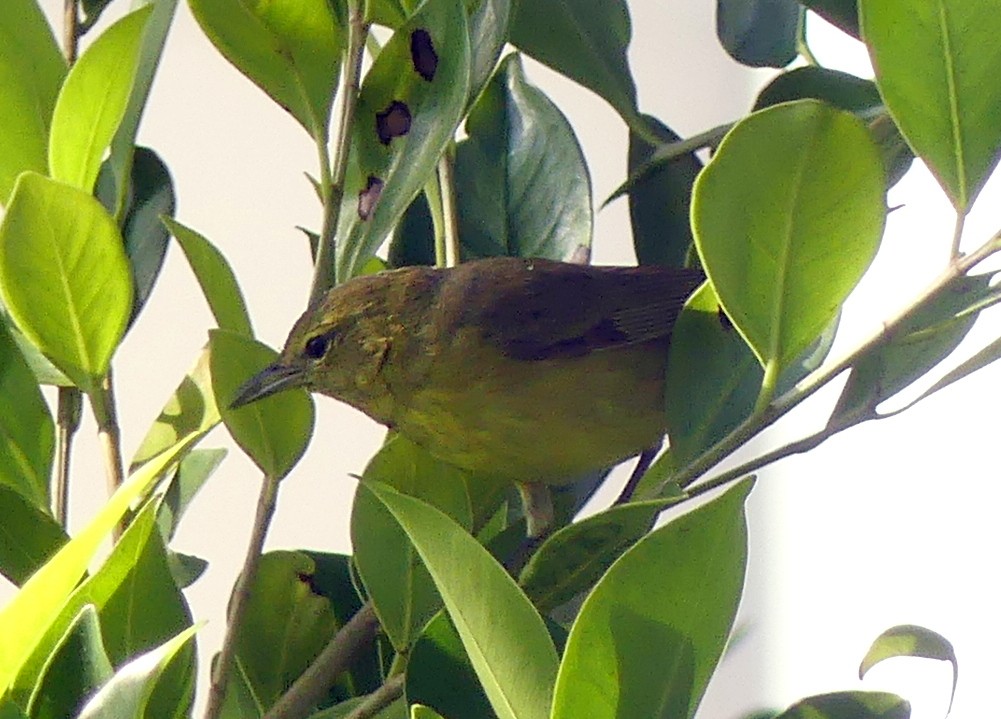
(533,370)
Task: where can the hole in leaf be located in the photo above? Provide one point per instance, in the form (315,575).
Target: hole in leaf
(368,197)
(422,54)
(392,122)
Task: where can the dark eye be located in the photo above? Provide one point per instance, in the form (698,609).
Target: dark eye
(317,346)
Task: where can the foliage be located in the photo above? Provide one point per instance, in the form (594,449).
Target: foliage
(443,610)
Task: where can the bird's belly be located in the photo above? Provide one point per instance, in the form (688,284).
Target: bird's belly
(541,421)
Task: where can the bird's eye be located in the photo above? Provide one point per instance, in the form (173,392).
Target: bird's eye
(317,346)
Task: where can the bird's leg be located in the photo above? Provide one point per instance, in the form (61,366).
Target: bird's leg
(537,504)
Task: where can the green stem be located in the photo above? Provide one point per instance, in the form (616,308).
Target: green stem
(767,416)
(68,405)
(432,191)
(102,403)
(957,235)
(446,183)
(325,269)
(802,45)
(241,596)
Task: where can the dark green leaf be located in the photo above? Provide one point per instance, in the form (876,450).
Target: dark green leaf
(291,49)
(275,431)
(32,69)
(759,33)
(768,245)
(191,474)
(388,167)
(216,279)
(936,65)
(26,431)
(849,705)
(92,102)
(488,32)
(660,203)
(834,87)
(909,640)
(185,568)
(64,276)
(650,634)
(77,667)
(841,13)
(92,10)
(990,353)
(28,536)
(574,558)
(504,637)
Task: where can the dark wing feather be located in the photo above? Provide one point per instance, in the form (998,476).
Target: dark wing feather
(539,309)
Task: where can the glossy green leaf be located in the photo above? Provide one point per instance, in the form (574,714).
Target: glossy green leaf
(191,474)
(188,415)
(849,705)
(216,279)
(31,72)
(759,33)
(397,583)
(284,611)
(92,102)
(840,13)
(660,203)
(123,145)
(822,83)
(27,435)
(291,49)
(489,26)
(936,63)
(151,196)
(63,275)
(127,694)
(275,431)
(504,637)
(25,620)
(586,40)
(923,341)
(77,667)
(139,606)
(386,173)
(575,557)
(910,640)
(28,536)
(439,674)
(783,252)
(45,372)
(649,636)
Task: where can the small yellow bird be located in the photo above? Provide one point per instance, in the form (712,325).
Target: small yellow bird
(532,370)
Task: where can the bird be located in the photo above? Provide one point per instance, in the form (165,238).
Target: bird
(532,370)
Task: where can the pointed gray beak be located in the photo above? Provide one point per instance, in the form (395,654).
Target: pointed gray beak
(268,381)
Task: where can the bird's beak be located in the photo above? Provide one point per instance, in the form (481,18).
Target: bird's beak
(271,379)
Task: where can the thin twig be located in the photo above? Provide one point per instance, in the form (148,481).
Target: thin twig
(449,210)
(957,235)
(241,596)
(314,683)
(71,30)
(109,436)
(68,406)
(325,269)
(389,692)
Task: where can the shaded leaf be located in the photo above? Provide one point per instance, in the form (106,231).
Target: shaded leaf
(909,640)
(849,705)
(64,276)
(28,536)
(834,87)
(191,474)
(759,33)
(841,13)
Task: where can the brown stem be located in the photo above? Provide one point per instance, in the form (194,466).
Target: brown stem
(381,698)
(71,30)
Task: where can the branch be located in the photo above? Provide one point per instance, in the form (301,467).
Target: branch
(389,692)
(312,685)
(67,423)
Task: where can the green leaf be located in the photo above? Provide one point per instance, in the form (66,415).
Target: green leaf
(759,33)
(418,711)
(151,196)
(842,14)
(504,637)
(660,202)
(63,275)
(936,64)
(910,640)
(31,72)
(92,102)
(990,353)
(783,252)
(574,558)
(834,87)
(284,611)
(27,434)
(386,173)
(849,705)
(649,636)
(27,617)
(586,40)
(398,585)
(920,343)
(192,473)
(188,415)
(128,693)
(77,667)
(92,10)
(291,49)
(273,432)
(489,22)
(215,277)
(28,536)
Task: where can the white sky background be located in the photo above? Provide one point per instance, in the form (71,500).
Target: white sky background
(887,524)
